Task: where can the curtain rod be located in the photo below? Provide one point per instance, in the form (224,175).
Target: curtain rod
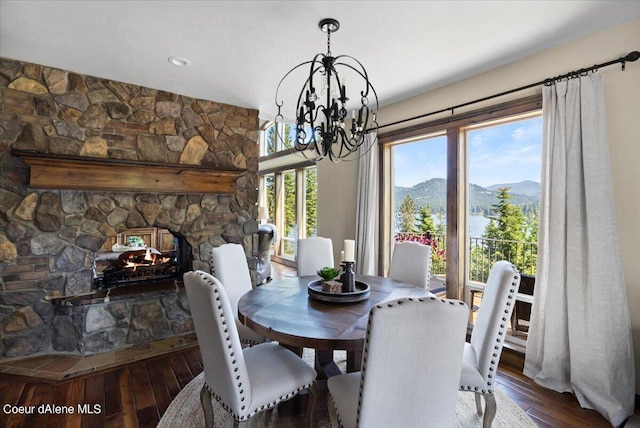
(631,57)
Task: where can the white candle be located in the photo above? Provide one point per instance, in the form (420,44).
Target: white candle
(341,256)
(349,250)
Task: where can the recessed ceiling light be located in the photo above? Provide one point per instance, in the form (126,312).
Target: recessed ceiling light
(179,61)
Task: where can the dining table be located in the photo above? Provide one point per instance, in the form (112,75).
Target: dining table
(284,310)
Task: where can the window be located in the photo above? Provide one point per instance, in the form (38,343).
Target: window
(504,165)
(277,138)
(290,230)
(419,175)
(288,188)
(311,202)
(469,186)
(504,194)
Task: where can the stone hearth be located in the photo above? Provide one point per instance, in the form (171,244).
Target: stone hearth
(48,237)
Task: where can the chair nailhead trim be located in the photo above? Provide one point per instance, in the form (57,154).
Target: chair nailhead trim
(366,350)
(501,332)
(234,362)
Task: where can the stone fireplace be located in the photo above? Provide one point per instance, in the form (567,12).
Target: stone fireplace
(70,148)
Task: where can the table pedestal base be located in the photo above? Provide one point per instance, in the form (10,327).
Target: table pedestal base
(326,367)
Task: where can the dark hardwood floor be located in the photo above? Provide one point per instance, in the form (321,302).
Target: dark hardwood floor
(132,395)
(137,394)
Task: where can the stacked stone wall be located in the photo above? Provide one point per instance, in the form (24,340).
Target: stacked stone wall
(48,238)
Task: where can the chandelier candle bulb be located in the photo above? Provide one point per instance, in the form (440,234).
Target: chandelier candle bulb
(341,256)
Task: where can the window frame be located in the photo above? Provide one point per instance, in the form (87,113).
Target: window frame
(454,127)
(279,163)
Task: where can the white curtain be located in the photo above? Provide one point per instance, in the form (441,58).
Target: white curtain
(367,210)
(580,335)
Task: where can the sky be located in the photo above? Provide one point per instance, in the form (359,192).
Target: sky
(505,153)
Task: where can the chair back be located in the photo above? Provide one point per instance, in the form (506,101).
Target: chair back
(225,371)
(411,263)
(314,254)
(230,267)
(490,328)
(522,310)
(411,363)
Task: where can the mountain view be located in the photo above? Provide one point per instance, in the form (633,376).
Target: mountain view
(433,192)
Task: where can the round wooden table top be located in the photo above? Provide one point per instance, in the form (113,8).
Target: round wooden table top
(282,310)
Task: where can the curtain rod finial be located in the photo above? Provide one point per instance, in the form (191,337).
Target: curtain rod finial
(633,56)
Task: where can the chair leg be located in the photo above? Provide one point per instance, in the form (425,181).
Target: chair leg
(478,397)
(490,408)
(314,393)
(205,400)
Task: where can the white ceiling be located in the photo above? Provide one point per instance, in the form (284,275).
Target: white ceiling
(241,49)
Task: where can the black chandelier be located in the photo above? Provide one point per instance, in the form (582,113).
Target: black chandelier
(322,106)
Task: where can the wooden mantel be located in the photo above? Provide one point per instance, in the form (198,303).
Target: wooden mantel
(50,171)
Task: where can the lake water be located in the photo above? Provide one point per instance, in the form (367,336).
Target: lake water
(477,224)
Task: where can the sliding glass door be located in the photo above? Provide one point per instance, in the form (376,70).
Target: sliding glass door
(469,187)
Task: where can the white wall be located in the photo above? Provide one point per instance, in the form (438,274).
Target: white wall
(336,202)
(337,182)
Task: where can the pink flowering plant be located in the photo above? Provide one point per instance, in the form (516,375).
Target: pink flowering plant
(437,253)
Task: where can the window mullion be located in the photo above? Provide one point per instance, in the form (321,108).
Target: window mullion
(455,233)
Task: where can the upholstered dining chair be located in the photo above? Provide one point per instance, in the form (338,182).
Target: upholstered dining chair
(482,355)
(244,382)
(411,263)
(230,267)
(410,367)
(313,254)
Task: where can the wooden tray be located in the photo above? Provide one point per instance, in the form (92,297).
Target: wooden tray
(361,293)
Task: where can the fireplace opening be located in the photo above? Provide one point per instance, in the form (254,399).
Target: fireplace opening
(148,256)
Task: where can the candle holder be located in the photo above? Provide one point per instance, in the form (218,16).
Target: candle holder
(347,278)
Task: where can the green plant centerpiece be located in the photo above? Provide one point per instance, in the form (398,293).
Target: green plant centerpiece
(328,273)
(329,283)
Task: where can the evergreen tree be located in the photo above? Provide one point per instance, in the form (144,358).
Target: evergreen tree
(510,220)
(287,141)
(406,217)
(425,220)
(272,136)
(289,179)
(311,194)
(531,256)
(441,228)
(507,230)
(270,186)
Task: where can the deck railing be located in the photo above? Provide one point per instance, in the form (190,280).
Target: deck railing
(483,254)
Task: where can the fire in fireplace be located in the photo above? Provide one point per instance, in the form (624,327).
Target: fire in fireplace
(141,256)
